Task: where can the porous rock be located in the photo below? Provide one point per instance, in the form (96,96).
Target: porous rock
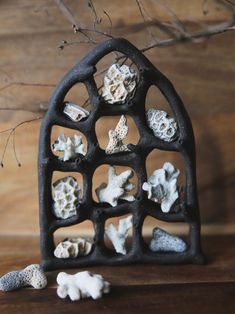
(73,247)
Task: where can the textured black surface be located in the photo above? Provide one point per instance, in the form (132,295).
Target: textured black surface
(98,213)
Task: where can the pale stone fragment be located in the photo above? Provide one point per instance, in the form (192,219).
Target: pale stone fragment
(75,112)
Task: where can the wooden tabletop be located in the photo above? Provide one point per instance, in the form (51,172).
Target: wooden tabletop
(135,289)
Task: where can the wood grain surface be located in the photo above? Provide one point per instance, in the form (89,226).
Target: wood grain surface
(203,75)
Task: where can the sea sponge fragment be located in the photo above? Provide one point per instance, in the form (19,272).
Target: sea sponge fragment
(32,275)
(81,285)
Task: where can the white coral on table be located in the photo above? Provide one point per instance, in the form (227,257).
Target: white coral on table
(117,188)
(119,83)
(81,285)
(162,186)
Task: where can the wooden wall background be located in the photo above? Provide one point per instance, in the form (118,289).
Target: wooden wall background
(203,75)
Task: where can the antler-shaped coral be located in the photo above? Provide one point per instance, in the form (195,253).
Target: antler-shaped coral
(117,188)
(116,136)
(118,235)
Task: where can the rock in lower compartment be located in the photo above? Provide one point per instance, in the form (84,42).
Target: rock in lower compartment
(32,275)
(73,247)
(66,194)
(75,112)
(163,241)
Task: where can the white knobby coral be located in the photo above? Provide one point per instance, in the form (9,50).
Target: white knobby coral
(117,188)
(66,194)
(162,126)
(163,241)
(119,83)
(116,136)
(70,146)
(162,186)
(32,275)
(119,235)
(73,247)
(81,285)
(75,112)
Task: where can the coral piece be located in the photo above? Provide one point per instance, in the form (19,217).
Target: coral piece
(70,146)
(162,126)
(119,235)
(117,188)
(73,247)
(163,241)
(75,112)
(81,285)
(162,186)
(119,84)
(116,136)
(66,195)
(32,275)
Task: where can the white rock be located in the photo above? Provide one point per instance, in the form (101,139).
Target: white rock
(73,247)
(119,84)
(165,242)
(66,195)
(81,285)
(70,146)
(75,112)
(116,136)
(162,186)
(117,188)
(32,275)
(162,126)
(119,235)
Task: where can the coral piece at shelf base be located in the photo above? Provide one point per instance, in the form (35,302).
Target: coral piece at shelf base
(70,146)
(163,241)
(116,136)
(66,195)
(162,186)
(81,285)
(162,126)
(119,235)
(117,188)
(32,275)
(73,247)
(75,112)
(119,84)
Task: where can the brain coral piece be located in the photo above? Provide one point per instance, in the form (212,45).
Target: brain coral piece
(119,84)
(32,275)
(162,126)
(163,241)
(81,285)
(66,195)
(70,146)
(117,188)
(73,247)
(116,136)
(162,186)
(119,235)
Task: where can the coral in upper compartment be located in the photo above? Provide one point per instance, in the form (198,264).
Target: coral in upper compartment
(162,125)
(119,84)
(66,195)
(71,147)
(162,186)
(117,188)
(116,136)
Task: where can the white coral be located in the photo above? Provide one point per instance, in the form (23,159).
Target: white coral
(117,188)
(162,126)
(119,235)
(119,84)
(70,146)
(162,186)
(81,285)
(116,136)
(75,112)
(66,194)
(73,247)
